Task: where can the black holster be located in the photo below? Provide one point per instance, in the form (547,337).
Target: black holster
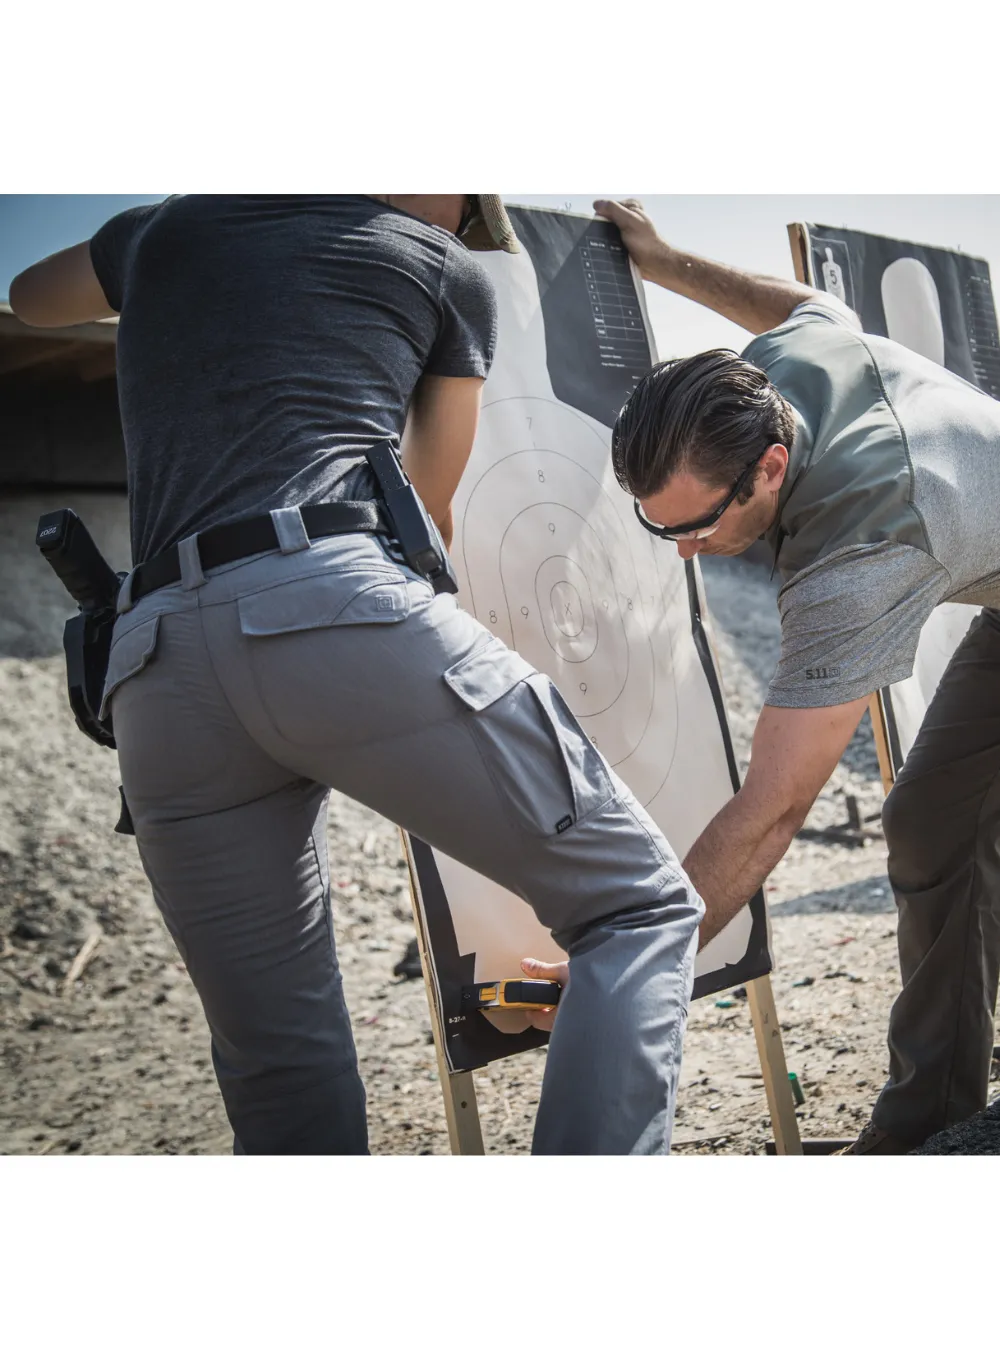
(419,540)
(87,644)
(68,548)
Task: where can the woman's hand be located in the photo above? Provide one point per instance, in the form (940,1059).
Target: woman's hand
(544,1018)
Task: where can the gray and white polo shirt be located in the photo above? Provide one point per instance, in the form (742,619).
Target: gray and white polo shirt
(890,506)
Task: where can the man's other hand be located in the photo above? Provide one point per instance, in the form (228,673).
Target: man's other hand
(637,231)
(543,970)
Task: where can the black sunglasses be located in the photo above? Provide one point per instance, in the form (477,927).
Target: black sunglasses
(694,527)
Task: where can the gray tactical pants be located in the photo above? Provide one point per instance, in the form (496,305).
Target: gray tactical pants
(942,824)
(240,699)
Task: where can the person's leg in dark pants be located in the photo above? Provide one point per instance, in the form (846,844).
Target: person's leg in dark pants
(942,824)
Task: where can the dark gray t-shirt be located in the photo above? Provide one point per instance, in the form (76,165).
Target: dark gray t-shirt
(265,342)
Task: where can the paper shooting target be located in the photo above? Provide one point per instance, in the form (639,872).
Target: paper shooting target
(551,560)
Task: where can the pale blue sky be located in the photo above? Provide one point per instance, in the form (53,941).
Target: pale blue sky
(748,231)
(32,227)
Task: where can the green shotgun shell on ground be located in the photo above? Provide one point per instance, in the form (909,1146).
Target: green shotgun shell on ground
(797,1093)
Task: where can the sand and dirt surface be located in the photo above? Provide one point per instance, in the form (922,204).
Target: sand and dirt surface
(114,1057)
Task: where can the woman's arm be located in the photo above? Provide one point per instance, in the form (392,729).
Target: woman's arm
(60,291)
(437,442)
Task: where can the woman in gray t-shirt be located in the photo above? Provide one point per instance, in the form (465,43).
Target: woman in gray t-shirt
(265,343)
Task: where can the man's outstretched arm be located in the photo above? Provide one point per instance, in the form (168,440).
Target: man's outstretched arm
(795,750)
(756,303)
(794,753)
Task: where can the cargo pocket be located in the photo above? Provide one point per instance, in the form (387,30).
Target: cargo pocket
(547,772)
(129,654)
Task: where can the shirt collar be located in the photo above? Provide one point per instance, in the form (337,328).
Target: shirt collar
(799,460)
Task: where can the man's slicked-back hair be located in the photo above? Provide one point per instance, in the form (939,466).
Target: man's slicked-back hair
(709,414)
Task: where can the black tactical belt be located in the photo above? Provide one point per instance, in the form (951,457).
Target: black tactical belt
(243,538)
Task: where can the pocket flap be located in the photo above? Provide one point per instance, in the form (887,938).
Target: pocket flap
(486,675)
(129,654)
(323,601)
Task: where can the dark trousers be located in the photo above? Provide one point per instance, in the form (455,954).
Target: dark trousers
(942,825)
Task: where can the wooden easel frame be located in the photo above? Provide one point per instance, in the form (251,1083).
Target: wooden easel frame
(461,1109)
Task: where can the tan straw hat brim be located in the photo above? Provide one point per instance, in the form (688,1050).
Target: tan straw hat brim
(491,228)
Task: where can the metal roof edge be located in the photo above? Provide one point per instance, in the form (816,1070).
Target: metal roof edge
(98,331)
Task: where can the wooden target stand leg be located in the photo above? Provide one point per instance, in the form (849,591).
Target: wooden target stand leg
(767,1033)
(461,1110)
(887,766)
(771,1051)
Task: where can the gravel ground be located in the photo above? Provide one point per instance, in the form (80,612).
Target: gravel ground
(116,1059)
